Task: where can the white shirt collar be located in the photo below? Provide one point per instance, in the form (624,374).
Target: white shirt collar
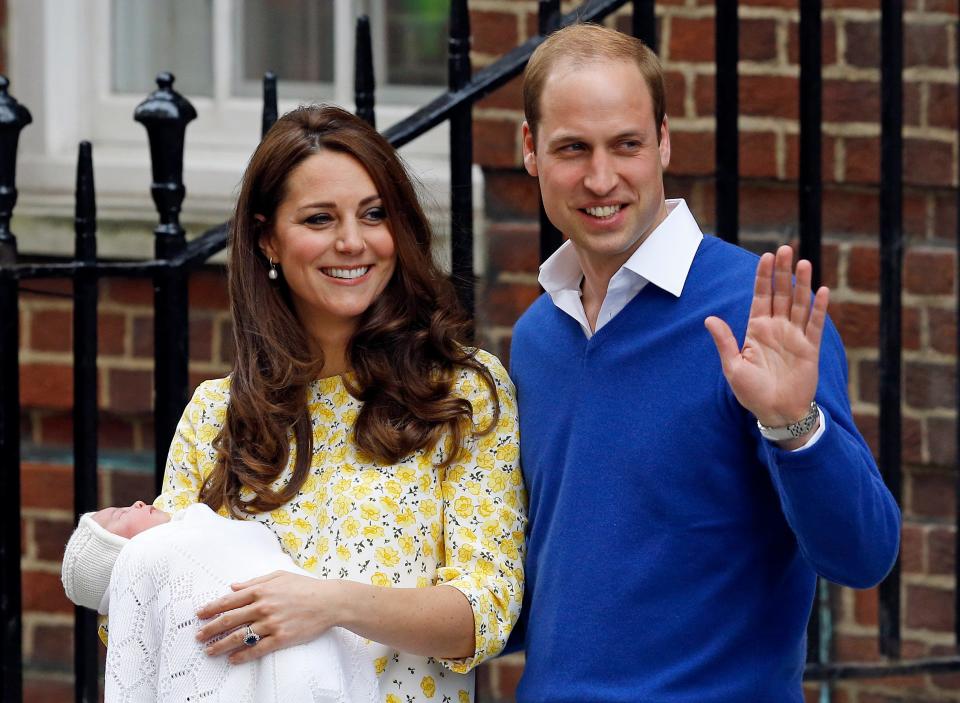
(664,259)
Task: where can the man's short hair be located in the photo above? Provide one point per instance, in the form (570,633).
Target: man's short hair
(585,43)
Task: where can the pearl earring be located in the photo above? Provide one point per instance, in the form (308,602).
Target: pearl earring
(273,274)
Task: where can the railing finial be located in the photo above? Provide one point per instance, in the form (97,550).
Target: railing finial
(13,118)
(363,81)
(270,111)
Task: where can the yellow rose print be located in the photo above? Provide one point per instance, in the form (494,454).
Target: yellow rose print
(373,531)
(406,544)
(429,686)
(343,553)
(486,507)
(301,525)
(463,506)
(281,517)
(341,506)
(351,527)
(392,698)
(463,696)
(380,665)
(393,488)
(291,542)
(380,579)
(387,556)
(369,512)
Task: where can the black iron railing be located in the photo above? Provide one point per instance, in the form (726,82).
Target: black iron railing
(165,114)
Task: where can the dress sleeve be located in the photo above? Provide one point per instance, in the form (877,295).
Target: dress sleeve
(485,515)
(192,456)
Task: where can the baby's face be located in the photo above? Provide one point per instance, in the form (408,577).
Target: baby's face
(132,520)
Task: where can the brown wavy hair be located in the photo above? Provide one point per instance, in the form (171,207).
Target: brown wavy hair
(404,354)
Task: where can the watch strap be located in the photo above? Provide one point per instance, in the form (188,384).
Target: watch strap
(794,429)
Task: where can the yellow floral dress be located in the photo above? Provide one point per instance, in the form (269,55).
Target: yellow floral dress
(409,524)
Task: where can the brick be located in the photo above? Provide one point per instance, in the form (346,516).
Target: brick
(495,142)
(45,385)
(863,43)
(915,214)
(848,211)
(46,486)
(851,101)
(511,195)
(947,6)
(226,342)
(704,96)
(829,264)
(675,88)
(129,486)
(929,608)
(862,159)
(859,325)
(41,690)
(929,271)
(942,441)
(911,104)
(933,495)
(692,153)
(828,43)
(692,39)
(758,155)
(769,96)
(758,39)
(131,391)
(941,544)
(912,547)
(50,537)
(514,247)
(51,330)
(945,217)
(56,428)
(942,105)
(863,268)
(827,158)
(865,604)
(506,97)
(128,291)
(929,385)
(52,647)
(112,432)
(493,32)
(142,337)
(927,162)
(911,430)
(503,303)
(200,341)
(41,288)
(925,45)
(855,648)
(207,290)
(111,332)
(43,592)
(765,206)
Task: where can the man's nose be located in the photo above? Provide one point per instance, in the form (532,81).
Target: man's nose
(601,177)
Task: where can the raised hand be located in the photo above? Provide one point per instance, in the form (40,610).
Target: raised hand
(774,375)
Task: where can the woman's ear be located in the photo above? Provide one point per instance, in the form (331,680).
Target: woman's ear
(265,239)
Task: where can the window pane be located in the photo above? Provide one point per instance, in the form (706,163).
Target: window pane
(417,42)
(150,36)
(292,38)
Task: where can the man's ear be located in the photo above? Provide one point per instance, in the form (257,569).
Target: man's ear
(529,149)
(664,144)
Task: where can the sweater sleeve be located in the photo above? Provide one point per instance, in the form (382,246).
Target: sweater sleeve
(485,516)
(192,457)
(846,522)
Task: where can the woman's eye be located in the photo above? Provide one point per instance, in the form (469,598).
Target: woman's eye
(376,214)
(321,218)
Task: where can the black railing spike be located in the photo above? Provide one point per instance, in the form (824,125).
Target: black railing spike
(165,113)
(85,411)
(644,22)
(956,424)
(364,84)
(461,168)
(13,118)
(891,265)
(811,125)
(548,16)
(727,133)
(270,110)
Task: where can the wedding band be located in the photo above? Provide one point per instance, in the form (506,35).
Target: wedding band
(251,637)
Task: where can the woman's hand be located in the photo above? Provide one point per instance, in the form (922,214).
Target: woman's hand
(284,609)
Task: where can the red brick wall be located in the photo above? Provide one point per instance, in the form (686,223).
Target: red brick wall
(768,214)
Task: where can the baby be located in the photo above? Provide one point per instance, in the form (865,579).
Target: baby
(152,573)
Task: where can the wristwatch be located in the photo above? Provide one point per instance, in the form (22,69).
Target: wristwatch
(794,429)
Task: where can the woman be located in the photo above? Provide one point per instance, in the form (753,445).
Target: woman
(380,451)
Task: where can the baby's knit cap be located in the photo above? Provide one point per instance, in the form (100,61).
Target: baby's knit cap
(88,562)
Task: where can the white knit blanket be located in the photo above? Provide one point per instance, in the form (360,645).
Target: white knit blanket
(166,573)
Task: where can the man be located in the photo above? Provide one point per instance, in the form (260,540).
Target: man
(673,542)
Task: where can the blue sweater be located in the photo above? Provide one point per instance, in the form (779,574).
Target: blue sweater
(672,552)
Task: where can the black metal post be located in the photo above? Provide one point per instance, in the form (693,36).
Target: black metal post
(363,81)
(85,412)
(548,20)
(811,180)
(270,111)
(891,262)
(461,159)
(13,118)
(165,113)
(956,426)
(727,110)
(645,22)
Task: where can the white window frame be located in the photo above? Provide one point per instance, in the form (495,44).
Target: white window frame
(59,67)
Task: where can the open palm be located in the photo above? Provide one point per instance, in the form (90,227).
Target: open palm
(774,375)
